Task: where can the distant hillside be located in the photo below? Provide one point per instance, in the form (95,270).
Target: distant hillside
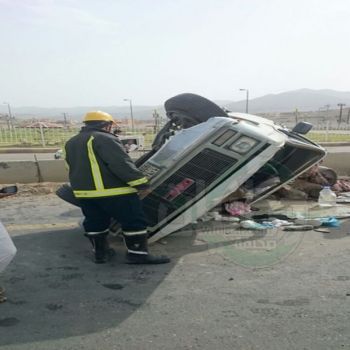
(303,100)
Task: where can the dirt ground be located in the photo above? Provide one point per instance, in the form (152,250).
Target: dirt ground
(25,190)
(225,288)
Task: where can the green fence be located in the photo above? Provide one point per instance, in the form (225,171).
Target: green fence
(52,137)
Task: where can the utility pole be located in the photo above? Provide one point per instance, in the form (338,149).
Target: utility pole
(246,99)
(341,105)
(327,117)
(10,118)
(296,116)
(131,114)
(65,120)
(348,118)
(156,121)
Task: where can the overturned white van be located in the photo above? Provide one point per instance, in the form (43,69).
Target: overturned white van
(203,154)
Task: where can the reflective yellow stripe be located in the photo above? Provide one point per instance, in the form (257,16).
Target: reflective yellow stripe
(104,193)
(95,169)
(137,182)
(100,190)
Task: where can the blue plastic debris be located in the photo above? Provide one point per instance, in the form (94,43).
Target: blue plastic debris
(330,222)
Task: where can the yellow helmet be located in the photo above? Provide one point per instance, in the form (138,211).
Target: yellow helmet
(98,116)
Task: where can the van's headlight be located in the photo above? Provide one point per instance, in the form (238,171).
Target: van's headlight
(243,145)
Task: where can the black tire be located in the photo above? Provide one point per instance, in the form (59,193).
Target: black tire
(193,107)
(184,111)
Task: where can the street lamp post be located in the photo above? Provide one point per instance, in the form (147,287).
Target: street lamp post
(131,114)
(247,99)
(341,105)
(65,120)
(10,114)
(296,116)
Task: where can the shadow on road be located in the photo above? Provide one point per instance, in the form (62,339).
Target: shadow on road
(55,291)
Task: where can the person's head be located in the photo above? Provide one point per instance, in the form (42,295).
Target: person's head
(99,120)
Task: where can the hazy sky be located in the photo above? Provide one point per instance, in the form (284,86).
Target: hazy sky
(62,53)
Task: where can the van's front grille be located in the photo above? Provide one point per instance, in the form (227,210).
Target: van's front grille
(198,173)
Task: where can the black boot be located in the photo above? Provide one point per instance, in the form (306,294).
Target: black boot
(101,249)
(138,250)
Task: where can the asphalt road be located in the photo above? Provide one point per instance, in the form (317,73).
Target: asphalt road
(221,290)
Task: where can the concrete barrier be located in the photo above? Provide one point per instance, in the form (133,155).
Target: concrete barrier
(18,172)
(339,161)
(30,171)
(29,150)
(55,170)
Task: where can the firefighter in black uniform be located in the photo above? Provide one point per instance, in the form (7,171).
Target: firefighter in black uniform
(108,184)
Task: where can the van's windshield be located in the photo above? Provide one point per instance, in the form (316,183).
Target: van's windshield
(286,164)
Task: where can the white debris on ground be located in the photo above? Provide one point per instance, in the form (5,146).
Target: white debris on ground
(266,214)
(289,215)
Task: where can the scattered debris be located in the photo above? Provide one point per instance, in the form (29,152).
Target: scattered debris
(322,230)
(277,223)
(310,183)
(330,222)
(252,225)
(298,228)
(237,208)
(343,197)
(312,222)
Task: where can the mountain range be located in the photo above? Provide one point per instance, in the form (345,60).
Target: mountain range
(302,99)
